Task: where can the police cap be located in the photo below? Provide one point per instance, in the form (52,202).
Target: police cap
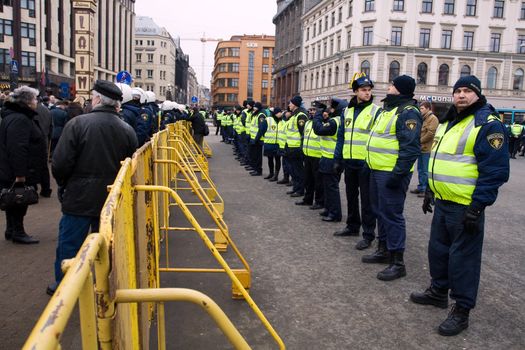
(108,89)
(361,82)
(318,104)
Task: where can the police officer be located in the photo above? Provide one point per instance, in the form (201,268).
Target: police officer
(294,153)
(313,181)
(237,132)
(281,140)
(392,149)
(258,129)
(271,143)
(246,117)
(468,163)
(516,133)
(131,113)
(151,105)
(350,155)
(326,125)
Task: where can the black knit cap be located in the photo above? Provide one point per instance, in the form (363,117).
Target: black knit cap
(405,85)
(108,89)
(471,82)
(297,100)
(250,103)
(258,105)
(276,110)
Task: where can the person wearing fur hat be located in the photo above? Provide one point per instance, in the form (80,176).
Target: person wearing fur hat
(468,164)
(392,149)
(294,139)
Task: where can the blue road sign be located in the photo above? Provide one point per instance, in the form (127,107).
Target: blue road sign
(14,66)
(63,91)
(194,99)
(124,77)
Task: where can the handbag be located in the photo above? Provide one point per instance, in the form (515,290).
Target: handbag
(206,130)
(19,195)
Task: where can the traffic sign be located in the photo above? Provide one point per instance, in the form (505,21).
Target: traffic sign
(14,66)
(194,99)
(124,77)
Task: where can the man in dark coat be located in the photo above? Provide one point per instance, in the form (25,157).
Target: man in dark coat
(45,122)
(86,160)
(60,118)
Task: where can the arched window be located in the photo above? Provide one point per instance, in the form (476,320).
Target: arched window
(347,73)
(518,79)
(393,71)
(492,76)
(329,77)
(336,78)
(323,76)
(422,70)
(312,86)
(317,80)
(305,82)
(365,67)
(465,70)
(443,74)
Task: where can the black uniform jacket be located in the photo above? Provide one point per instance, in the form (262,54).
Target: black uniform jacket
(87,159)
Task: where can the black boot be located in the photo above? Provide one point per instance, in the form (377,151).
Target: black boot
(395,270)
(347,231)
(274,178)
(19,234)
(431,296)
(456,322)
(8,227)
(380,256)
(269,176)
(284,181)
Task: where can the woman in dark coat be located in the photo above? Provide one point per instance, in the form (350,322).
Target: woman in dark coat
(22,155)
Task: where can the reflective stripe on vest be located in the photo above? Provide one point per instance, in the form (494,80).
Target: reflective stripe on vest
(293,136)
(311,141)
(328,142)
(357,131)
(453,168)
(270,136)
(281,134)
(383,146)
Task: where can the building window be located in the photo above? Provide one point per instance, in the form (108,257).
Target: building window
(232,97)
(495,40)
(448,9)
(468,41)
(492,76)
(350,8)
(30,5)
(518,79)
(138,73)
(318,52)
(138,57)
(329,77)
(498,8)
(315,26)
(266,53)
(324,49)
(150,73)
(465,71)
(323,77)
(325,23)
(234,51)
(422,70)
(446,39)
(368,36)
(6,28)
(265,68)
(150,58)
(522,11)
(308,33)
(305,86)
(395,39)
(393,71)
(338,43)
(222,67)
(443,74)
(348,39)
(333,19)
(399,5)
(336,76)
(347,73)
(233,67)
(313,54)
(424,38)
(426,6)
(331,46)
(369,5)
(28,30)
(317,80)
(471,8)
(365,67)
(265,84)
(312,81)
(340,15)
(28,59)
(5,58)
(251,68)
(521,44)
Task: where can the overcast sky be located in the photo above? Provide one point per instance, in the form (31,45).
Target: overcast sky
(219,19)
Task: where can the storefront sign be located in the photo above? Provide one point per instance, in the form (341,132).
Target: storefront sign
(84,46)
(434,99)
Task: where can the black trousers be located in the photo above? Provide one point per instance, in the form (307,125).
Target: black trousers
(257,157)
(332,197)
(357,182)
(274,164)
(45,181)
(218,128)
(295,160)
(313,181)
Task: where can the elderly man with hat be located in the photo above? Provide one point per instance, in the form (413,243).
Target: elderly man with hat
(86,160)
(294,139)
(468,164)
(350,153)
(392,149)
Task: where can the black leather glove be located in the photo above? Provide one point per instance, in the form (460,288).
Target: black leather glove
(60,194)
(394,181)
(338,167)
(428,202)
(471,220)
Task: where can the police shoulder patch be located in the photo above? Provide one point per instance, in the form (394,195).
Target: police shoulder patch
(261,119)
(326,124)
(496,140)
(411,124)
(274,127)
(348,121)
(145,116)
(301,122)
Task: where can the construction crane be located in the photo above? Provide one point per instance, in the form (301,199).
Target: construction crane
(203,40)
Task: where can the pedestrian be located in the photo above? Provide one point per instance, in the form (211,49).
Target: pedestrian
(350,153)
(60,117)
(22,155)
(313,181)
(271,144)
(257,129)
(515,135)
(326,125)
(246,116)
(45,123)
(392,150)
(468,164)
(428,130)
(131,113)
(86,160)
(294,138)
(281,140)
(197,126)
(76,107)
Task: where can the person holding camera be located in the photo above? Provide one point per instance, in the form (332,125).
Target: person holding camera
(22,157)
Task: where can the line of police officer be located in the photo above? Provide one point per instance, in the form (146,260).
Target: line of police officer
(376,147)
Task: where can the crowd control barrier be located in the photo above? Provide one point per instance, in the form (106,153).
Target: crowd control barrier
(115,277)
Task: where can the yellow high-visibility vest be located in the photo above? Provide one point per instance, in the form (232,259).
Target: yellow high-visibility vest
(281,134)
(357,131)
(328,142)
(311,141)
(293,136)
(270,136)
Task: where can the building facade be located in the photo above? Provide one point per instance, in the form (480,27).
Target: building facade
(193,86)
(204,96)
(242,70)
(154,59)
(182,64)
(434,41)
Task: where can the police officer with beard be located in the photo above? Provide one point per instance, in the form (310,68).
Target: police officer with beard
(468,164)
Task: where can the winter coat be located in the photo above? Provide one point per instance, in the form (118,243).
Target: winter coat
(60,118)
